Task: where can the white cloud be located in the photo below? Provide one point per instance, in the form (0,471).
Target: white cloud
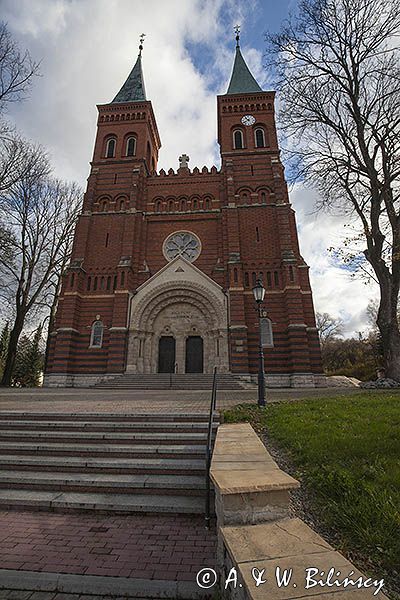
(334,290)
(87,49)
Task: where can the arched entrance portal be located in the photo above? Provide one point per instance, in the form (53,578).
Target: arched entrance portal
(182,304)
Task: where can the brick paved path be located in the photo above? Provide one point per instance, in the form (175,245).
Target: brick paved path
(163,547)
(147,401)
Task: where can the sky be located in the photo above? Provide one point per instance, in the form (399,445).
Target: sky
(87,48)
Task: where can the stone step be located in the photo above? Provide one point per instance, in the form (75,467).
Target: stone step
(55,425)
(115,450)
(199,417)
(118,463)
(95,587)
(116,503)
(96,437)
(127,385)
(103,465)
(176,381)
(104,483)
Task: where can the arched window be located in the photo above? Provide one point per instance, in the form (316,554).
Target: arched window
(246,279)
(259,137)
(110,148)
(253,279)
(95,284)
(115,283)
(170,205)
(89,284)
(96,338)
(238,139)
(276,278)
(267,337)
(235,275)
(72,279)
(183,205)
(269,279)
(291,273)
(263,198)
(122,204)
(131,146)
(195,205)
(103,207)
(108,283)
(207,204)
(122,278)
(158,206)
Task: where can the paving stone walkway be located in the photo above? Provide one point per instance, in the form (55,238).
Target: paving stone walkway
(147,401)
(163,547)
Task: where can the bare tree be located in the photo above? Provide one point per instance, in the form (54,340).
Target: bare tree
(16,69)
(337,65)
(20,160)
(41,214)
(329,327)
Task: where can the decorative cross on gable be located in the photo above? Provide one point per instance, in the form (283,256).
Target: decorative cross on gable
(183,161)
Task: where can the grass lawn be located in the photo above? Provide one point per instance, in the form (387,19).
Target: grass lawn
(346,453)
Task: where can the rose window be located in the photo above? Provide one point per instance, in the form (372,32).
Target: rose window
(184,244)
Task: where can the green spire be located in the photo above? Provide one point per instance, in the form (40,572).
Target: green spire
(242,81)
(133,89)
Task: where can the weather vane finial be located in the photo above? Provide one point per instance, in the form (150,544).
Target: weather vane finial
(237,31)
(141,40)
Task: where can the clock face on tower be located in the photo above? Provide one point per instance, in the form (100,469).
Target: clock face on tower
(248,120)
(182,243)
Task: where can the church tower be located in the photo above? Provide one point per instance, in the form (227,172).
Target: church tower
(261,237)
(163,264)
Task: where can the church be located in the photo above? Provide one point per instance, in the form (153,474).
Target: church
(163,263)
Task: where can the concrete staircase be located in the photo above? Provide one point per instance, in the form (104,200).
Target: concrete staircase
(103,462)
(175,381)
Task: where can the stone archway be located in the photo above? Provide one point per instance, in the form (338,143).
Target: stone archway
(178,301)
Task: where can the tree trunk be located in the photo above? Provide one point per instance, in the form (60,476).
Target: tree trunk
(389,329)
(392,354)
(12,350)
(49,330)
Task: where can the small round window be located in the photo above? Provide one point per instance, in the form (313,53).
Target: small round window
(184,244)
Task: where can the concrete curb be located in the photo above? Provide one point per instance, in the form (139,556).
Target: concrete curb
(100,586)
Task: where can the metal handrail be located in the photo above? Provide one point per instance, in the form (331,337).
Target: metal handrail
(209,447)
(174,373)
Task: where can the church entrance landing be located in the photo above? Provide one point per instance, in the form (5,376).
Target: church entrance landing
(178,323)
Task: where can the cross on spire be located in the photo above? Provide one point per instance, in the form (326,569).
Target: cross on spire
(133,88)
(237,31)
(141,40)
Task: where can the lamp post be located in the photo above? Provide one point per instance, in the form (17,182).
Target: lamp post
(259,293)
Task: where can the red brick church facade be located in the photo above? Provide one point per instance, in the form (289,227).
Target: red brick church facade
(163,264)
